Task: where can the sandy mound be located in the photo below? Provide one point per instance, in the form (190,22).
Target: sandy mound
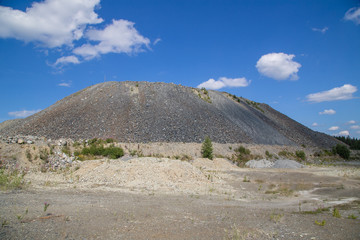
(146,174)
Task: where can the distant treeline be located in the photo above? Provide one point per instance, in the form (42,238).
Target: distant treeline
(353,143)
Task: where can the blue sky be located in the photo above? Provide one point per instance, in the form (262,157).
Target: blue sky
(300,57)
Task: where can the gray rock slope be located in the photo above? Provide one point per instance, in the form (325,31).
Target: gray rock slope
(156,112)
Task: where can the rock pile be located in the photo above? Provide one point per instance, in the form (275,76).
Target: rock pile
(282,163)
(162,112)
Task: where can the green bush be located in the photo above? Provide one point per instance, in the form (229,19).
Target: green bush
(207,149)
(242,150)
(301,155)
(342,151)
(110,152)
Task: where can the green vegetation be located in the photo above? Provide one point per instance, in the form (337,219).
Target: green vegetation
(352,216)
(242,155)
(28,155)
(11,180)
(286,154)
(354,143)
(317,211)
(66,150)
(44,154)
(255,105)
(301,155)
(322,223)
(336,213)
(110,152)
(268,155)
(207,149)
(342,151)
(204,95)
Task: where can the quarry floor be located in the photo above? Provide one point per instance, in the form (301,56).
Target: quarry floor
(173,199)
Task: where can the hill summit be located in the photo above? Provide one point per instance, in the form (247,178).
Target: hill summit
(164,112)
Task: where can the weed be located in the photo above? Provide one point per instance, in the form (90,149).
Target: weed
(268,155)
(245,179)
(322,223)
(276,217)
(352,216)
(66,150)
(76,144)
(4,223)
(28,155)
(46,205)
(11,180)
(44,154)
(317,211)
(336,213)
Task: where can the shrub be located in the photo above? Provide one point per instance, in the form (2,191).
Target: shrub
(110,152)
(301,155)
(207,149)
(110,140)
(242,150)
(342,151)
(66,150)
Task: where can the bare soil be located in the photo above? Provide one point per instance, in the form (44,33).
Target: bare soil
(160,198)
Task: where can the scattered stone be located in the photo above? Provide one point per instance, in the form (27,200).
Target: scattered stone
(286,163)
(263,163)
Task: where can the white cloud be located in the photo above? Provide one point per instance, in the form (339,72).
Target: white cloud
(279,66)
(157,41)
(344,133)
(315,124)
(65,84)
(355,127)
(67,60)
(353,14)
(339,93)
(333,128)
(328,112)
(224,82)
(118,37)
(52,23)
(322,30)
(23,113)
(351,122)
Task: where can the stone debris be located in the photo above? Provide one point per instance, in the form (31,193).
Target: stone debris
(282,163)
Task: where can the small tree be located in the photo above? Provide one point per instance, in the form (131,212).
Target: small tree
(207,149)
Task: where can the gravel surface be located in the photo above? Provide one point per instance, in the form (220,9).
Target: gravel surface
(162,112)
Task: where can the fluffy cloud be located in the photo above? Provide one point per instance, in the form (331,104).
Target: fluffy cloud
(353,14)
(355,127)
(333,128)
(66,60)
(328,112)
(315,124)
(322,30)
(279,66)
(224,82)
(23,113)
(339,93)
(351,122)
(118,37)
(52,23)
(344,133)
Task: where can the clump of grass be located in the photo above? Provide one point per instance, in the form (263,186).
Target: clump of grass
(322,223)
(276,217)
(246,179)
(44,154)
(287,154)
(11,180)
(282,190)
(268,155)
(352,216)
(28,155)
(66,150)
(317,211)
(336,213)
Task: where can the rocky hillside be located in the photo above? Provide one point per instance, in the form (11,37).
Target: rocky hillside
(162,112)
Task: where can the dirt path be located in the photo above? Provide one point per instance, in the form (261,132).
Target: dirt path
(227,203)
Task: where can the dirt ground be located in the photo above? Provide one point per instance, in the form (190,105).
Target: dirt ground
(160,198)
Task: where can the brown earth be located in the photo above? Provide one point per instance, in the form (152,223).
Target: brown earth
(160,198)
